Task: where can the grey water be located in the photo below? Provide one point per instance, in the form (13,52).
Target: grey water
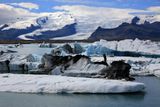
(32,48)
(151,97)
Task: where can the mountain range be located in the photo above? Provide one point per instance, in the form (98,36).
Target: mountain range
(145,31)
(51,26)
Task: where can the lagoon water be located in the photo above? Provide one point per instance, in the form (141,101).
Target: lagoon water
(31,49)
(151,98)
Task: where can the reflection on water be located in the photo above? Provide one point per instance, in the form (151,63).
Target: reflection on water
(68,100)
(148,99)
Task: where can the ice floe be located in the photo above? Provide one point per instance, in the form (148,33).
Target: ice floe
(61,84)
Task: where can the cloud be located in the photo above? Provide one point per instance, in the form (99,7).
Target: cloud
(98,16)
(26,5)
(81,10)
(155,9)
(10,14)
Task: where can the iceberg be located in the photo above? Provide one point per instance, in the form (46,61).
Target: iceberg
(97,49)
(77,49)
(154,69)
(140,46)
(157,73)
(139,65)
(19,63)
(21,83)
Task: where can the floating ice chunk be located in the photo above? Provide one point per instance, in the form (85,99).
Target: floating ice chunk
(154,69)
(32,58)
(19,63)
(77,48)
(97,49)
(157,73)
(62,84)
(56,71)
(144,46)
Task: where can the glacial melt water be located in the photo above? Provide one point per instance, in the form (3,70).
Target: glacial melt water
(151,98)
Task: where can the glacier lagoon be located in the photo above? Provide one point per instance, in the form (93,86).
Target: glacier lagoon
(147,99)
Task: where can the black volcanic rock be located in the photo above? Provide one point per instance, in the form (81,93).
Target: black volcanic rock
(146,22)
(144,31)
(135,20)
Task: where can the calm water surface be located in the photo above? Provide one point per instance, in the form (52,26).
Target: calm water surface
(151,98)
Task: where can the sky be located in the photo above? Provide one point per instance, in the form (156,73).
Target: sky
(46,5)
(11,9)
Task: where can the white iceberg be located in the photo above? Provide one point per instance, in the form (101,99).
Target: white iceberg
(157,73)
(144,46)
(139,65)
(154,69)
(30,61)
(60,84)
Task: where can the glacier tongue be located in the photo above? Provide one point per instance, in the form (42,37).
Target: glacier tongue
(48,21)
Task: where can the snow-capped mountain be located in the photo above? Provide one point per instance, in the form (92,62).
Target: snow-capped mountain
(61,25)
(44,24)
